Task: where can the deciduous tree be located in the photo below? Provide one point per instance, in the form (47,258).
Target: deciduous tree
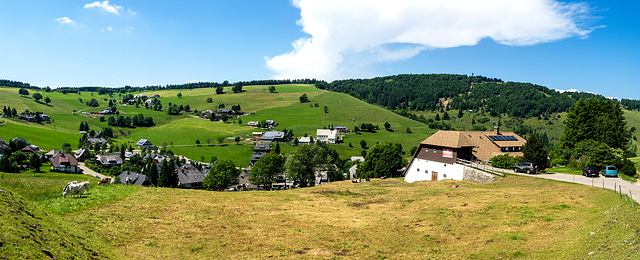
(222,175)
(383,159)
(303,162)
(267,170)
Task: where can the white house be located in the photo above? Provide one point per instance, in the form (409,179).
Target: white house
(326,136)
(144,143)
(304,140)
(425,170)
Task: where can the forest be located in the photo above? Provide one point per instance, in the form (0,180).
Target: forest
(437,92)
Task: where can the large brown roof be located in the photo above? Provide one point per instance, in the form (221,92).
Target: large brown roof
(453,139)
(484,148)
(64,159)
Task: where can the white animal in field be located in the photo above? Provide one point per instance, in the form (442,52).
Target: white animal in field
(106,180)
(74,188)
(85,185)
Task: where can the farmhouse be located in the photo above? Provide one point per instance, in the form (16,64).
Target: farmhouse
(224,111)
(189,176)
(256,134)
(50,154)
(154,96)
(270,123)
(30,149)
(109,159)
(326,136)
(144,143)
(437,157)
(98,140)
(140,96)
(28,118)
(253,124)
(82,155)
(149,102)
(128,177)
(64,162)
(304,140)
(259,150)
(3,144)
(106,111)
(273,136)
(342,129)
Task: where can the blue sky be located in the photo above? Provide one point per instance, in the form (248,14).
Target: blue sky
(589,46)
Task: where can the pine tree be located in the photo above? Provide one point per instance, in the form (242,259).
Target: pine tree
(276,150)
(535,152)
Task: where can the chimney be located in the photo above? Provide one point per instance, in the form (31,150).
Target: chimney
(496,130)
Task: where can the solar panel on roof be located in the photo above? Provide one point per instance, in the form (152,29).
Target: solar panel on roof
(503,138)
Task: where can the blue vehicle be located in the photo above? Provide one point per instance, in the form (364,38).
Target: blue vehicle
(610,171)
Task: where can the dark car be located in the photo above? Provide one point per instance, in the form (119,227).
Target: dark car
(525,167)
(591,172)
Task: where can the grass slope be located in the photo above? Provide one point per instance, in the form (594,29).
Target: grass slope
(27,232)
(515,217)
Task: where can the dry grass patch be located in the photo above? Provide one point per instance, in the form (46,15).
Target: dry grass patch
(515,217)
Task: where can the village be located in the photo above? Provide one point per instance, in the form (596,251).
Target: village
(444,155)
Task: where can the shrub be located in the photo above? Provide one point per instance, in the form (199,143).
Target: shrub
(504,161)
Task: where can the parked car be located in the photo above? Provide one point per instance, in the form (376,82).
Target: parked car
(525,167)
(610,171)
(591,172)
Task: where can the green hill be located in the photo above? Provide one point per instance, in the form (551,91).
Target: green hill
(363,101)
(27,232)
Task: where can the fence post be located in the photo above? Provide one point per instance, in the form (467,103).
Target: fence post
(603,184)
(620,190)
(631,195)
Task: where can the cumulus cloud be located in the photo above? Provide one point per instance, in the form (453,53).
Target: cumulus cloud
(65,20)
(130,29)
(105,7)
(381,30)
(107,29)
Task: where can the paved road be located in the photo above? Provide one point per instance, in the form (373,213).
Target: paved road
(86,170)
(612,183)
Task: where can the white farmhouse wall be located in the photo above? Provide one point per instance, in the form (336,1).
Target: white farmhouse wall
(421,170)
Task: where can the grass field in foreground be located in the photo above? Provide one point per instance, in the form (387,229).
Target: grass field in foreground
(512,218)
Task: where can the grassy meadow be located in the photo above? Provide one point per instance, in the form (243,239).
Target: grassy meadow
(182,131)
(515,217)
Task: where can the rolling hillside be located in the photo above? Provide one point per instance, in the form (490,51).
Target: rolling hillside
(181,132)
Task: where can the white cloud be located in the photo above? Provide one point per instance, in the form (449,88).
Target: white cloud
(105,6)
(381,30)
(65,20)
(130,29)
(131,11)
(567,90)
(108,29)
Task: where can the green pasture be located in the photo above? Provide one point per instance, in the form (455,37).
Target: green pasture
(40,135)
(45,190)
(239,154)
